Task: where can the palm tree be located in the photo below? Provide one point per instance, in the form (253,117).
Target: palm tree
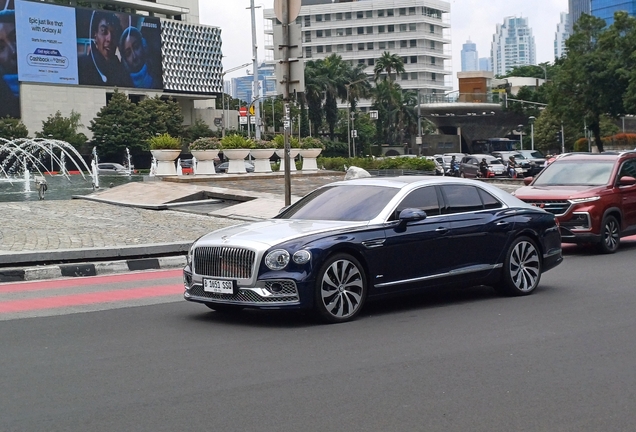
(315,85)
(357,83)
(388,63)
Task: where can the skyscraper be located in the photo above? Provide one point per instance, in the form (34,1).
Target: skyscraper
(469,57)
(512,45)
(576,8)
(561,35)
(605,8)
(484,64)
(360,31)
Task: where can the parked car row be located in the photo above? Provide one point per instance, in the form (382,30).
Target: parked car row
(529,163)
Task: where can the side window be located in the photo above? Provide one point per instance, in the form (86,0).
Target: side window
(424,198)
(490,202)
(628,168)
(461,198)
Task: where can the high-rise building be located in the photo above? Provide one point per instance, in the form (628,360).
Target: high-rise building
(470,58)
(242,87)
(157,48)
(561,35)
(512,45)
(576,8)
(605,9)
(360,31)
(485,64)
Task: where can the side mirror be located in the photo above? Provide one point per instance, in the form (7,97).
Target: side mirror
(527,180)
(412,214)
(625,181)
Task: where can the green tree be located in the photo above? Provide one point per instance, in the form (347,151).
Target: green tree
(62,128)
(12,128)
(161,116)
(388,63)
(118,125)
(196,130)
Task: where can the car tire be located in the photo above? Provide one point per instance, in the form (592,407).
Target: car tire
(341,289)
(521,269)
(462,175)
(225,308)
(610,235)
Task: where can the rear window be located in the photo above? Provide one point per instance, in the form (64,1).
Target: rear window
(576,173)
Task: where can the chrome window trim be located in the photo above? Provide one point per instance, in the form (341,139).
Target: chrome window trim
(465,270)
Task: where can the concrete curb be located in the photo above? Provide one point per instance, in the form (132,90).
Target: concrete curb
(90,269)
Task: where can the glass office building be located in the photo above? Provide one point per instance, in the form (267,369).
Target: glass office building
(605,8)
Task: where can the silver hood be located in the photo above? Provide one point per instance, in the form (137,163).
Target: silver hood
(265,234)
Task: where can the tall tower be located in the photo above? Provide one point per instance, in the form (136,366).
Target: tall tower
(576,8)
(561,35)
(605,8)
(512,45)
(470,59)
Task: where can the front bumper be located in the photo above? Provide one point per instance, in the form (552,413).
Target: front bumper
(266,294)
(569,236)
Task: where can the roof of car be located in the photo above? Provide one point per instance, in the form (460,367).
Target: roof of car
(608,156)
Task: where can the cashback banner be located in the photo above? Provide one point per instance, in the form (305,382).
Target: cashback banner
(46,43)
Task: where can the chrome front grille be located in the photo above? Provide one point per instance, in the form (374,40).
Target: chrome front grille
(289,294)
(224,262)
(556,207)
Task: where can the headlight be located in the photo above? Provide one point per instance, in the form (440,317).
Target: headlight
(584,200)
(190,255)
(277,259)
(301,257)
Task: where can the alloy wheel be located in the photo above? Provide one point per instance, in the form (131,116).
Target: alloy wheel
(525,266)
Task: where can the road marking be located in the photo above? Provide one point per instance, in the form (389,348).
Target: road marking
(23,305)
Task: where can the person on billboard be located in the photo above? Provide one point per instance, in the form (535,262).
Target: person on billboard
(134,52)
(9,85)
(101,66)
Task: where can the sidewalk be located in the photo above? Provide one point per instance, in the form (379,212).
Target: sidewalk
(139,225)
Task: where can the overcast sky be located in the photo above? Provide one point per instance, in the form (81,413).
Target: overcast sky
(470,19)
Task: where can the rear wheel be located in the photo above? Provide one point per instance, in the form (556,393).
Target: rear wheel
(610,235)
(522,268)
(341,288)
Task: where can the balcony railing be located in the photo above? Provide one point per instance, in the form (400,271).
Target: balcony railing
(456,97)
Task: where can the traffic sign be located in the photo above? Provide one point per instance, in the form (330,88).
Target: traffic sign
(243,111)
(252,120)
(293,9)
(252,110)
(243,120)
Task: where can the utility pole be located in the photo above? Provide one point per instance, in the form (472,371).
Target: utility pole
(255,92)
(287,122)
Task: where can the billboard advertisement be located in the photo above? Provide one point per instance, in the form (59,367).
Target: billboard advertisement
(46,43)
(118,49)
(9,84)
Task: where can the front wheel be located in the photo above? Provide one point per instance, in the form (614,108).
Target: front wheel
(610,235)
(341,289)
(521,269)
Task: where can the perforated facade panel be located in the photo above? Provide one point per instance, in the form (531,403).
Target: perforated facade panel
(191,58)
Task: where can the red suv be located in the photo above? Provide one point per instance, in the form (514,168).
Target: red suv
(592,195)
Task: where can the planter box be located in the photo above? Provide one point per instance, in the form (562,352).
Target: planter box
(261,160)
(205,161)
(292,155)
(309,159)
(236,158)
(166,161)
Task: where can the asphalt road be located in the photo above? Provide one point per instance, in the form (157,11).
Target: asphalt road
(563,359)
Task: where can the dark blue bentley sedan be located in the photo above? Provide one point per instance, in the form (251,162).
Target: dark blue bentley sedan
(354,240)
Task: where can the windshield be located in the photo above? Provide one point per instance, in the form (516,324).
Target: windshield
(536,155)
(343,202)
(576,173)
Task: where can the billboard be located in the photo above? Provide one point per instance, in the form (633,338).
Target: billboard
(46,43)
(118,49)
(9,84)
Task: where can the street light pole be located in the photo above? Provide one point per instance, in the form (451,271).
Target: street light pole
(532,119)
(348,120)
(255,92)
(520,129)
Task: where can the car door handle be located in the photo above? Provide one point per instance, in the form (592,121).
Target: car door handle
(441,230)
(502,223)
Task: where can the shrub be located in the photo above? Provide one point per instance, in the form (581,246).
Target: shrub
(311,143)
(403,163)
(262,144)
(164,142)
(229,142)
(279,140)
(207,143)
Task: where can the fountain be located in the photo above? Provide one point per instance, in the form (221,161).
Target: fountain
(94,169)
(23,161)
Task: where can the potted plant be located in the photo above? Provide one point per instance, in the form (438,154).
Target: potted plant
(165,149)
(236,148)
(205,150)
(310,148)
(293,151)
(261,153)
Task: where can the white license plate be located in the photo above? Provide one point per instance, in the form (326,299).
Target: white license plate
(218,286)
